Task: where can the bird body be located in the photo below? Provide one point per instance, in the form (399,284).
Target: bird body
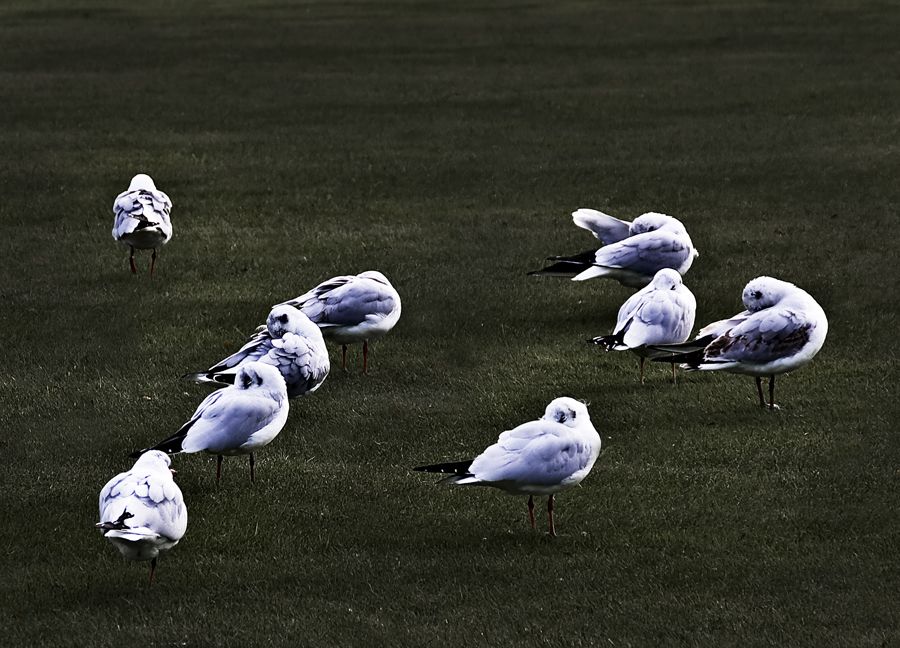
(290,342)
(142,218)
(632,252)
(661,313)
(352,308)
(782,329)
(142,511)
(540,457)
(234,420)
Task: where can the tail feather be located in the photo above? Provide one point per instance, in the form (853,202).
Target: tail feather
(567,266)
(210,377)
(458,468)
(610,342)
(171,445)
(690,354)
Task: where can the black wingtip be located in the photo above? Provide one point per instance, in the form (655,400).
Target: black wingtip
(452,467)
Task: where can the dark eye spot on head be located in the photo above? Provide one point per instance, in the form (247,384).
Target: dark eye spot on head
(246,380)
(757,295)
(561,416)
(283,318)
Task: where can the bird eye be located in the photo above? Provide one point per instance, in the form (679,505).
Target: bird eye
(757,295)
(246,381)
(283,318)
(561,416)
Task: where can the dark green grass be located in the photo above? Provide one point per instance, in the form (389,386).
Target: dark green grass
(446,145)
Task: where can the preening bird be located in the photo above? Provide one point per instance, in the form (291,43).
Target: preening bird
(352,308)
(235,420)
(142,511)
(142,218)
(782,329)
(632,253)
(288,341)
(540,457)
(661,313)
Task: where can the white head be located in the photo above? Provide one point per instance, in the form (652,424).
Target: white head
(567,411)
(374,275)
(765,292)
(666,279)
(284,318)
(259,375)
(142,182)
(155,460)
(652,221)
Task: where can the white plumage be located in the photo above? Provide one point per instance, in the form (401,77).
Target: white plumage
(540,457)
(142,511)
(660,313)
(142,218)
(782,329)
(352,308)
(632,252)
(288,341)
(235,420)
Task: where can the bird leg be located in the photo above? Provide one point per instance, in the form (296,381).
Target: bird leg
(365,356)
(251,468)
(762,400)
(131,260)
(642,369)
(674,377)
(344,357)
(772,404)
(152,571)
(218,469)
(152,261)
(550,515)
(531,510)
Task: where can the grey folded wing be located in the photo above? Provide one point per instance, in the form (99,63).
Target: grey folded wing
(763,337)
(645,253)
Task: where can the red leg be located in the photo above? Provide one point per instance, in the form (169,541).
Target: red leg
(131,260)
(152,570)
(218,469)
(674,377)
(762,401)
(152,261)
(344,357)
(772,392)
(531,510)
(550,515)
(365,356)
(642,370)
(251,468)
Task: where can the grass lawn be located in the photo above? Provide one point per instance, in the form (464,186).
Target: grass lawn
(445,144)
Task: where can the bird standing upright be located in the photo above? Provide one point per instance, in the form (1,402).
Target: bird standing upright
(142,218)
(142,511)
(352,308)
(540,457)
(235,420)
(782,329)
(660,313)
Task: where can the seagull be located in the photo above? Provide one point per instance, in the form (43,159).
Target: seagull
(782,329)
(540,457)
(142,218)
(661,313)
(142,511)
(234,420)
(352,308)
(632,253)
(288,341)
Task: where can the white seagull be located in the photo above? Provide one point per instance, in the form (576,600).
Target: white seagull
(235,420)
(352,308)
(540,457)
(661,313)
(142,218)
(288,341)
(632,253)
(781,330)
(142,511)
